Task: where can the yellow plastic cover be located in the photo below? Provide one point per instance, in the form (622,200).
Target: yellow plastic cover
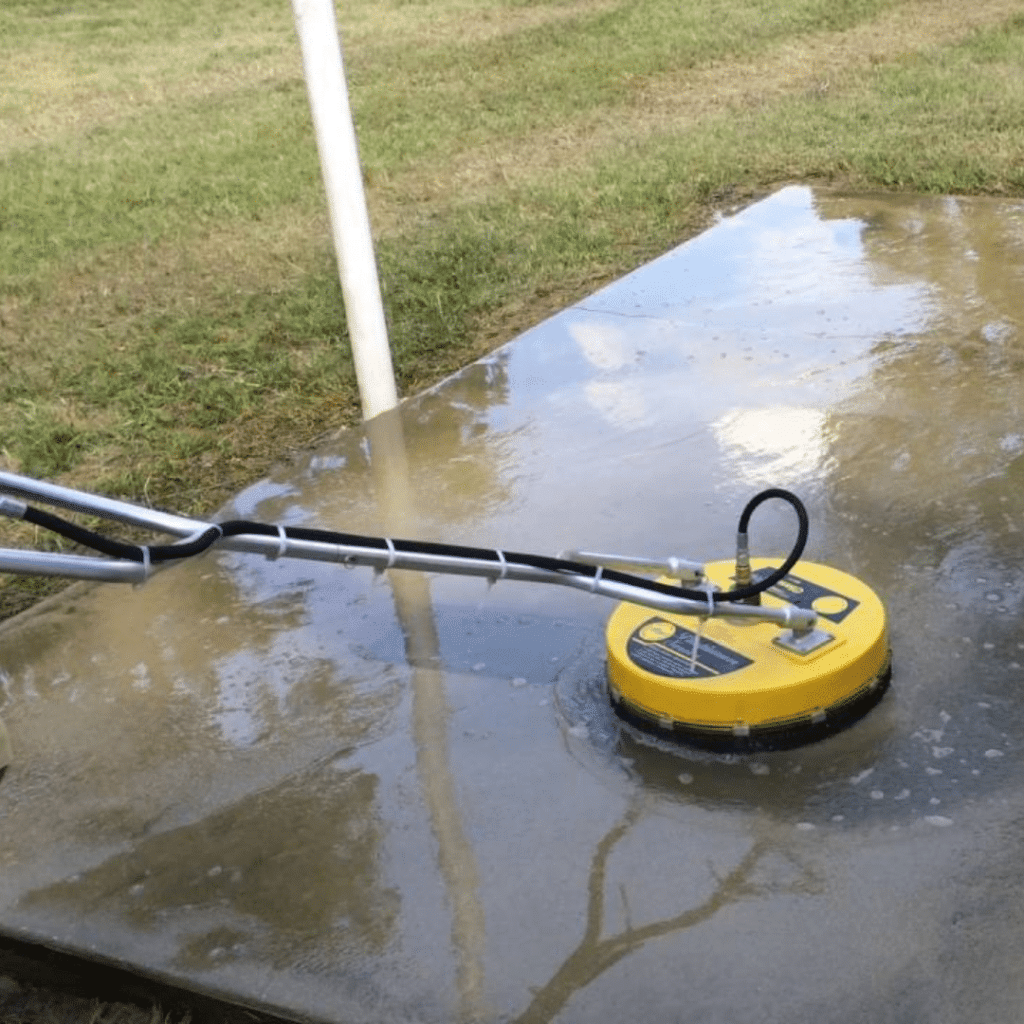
(726,674)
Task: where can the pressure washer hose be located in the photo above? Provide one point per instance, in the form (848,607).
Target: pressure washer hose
(207,536)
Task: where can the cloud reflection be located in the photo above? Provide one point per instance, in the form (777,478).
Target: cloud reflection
(768,445)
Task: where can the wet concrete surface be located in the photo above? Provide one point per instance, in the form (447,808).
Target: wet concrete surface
(398,798)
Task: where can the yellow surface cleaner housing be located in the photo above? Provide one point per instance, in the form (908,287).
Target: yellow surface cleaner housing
(739,684)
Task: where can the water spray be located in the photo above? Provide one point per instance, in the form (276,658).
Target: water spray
(738,655)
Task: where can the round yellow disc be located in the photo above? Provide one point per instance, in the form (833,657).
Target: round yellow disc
(732,685)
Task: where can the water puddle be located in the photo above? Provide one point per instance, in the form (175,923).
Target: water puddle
(366,797)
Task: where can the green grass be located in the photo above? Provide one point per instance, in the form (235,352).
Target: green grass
(163,176)
(470,92)
(170,317)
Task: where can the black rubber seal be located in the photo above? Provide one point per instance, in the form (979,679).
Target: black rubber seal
(785,734)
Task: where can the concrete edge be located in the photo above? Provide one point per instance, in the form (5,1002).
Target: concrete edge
(59,971)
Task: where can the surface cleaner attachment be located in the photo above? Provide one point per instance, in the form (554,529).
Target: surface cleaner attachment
(734,684)
(748,655)
(724,680)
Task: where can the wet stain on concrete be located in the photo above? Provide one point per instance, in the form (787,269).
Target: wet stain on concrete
(297,865)
(358,797)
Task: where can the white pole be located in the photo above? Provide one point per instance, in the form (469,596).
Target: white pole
(346,203)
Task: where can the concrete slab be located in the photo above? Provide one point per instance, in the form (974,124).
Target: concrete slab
(404,799)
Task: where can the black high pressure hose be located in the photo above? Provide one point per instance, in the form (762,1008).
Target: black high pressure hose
(206,538)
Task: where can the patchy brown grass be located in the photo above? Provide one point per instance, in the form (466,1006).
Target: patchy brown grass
(461,21)
(816,64)
(55,97)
